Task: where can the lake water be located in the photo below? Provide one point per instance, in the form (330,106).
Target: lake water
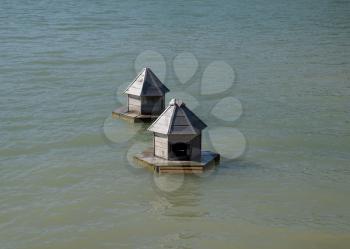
(65,184)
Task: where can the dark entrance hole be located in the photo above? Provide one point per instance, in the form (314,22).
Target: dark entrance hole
(181,151)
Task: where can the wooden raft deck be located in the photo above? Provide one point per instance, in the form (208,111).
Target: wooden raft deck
(123,113)
(147,159)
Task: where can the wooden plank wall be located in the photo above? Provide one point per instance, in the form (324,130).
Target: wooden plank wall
(196,145)
(152,105)
(161,147)
(134,103)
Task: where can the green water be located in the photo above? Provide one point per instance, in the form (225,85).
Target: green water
(64,184)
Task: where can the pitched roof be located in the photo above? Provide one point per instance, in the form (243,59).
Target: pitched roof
(177,119)
(146,84)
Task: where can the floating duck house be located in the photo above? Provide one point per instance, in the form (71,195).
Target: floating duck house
(177,142)
(145,98)
(178,133)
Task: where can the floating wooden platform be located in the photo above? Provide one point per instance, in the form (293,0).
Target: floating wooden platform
(147,159)
(123,113)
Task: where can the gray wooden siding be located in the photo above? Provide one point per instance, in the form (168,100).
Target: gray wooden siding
(152,105)
(181,138)
(196,145)
(134,103)
(161,146)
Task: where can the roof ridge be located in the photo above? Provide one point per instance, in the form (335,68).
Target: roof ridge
(144,80)
(177,119)
(144,69)
(150,85)
(188,120)
(186,109)
(159,84)
(172,119)
(155,121)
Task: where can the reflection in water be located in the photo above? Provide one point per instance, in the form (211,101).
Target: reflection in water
(184,202)
(190,191)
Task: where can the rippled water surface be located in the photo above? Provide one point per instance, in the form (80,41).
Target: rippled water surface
(63,184)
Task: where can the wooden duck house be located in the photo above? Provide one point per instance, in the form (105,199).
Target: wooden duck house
(177,142)
(178,133)
(145,98)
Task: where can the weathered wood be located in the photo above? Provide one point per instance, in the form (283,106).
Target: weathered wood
(148,160)
(152,104)
(133,117)
(161,147)
(134,103)
(179,171)
(183,167)
(147,84)
(183,129)
(177,119)
(146,96)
